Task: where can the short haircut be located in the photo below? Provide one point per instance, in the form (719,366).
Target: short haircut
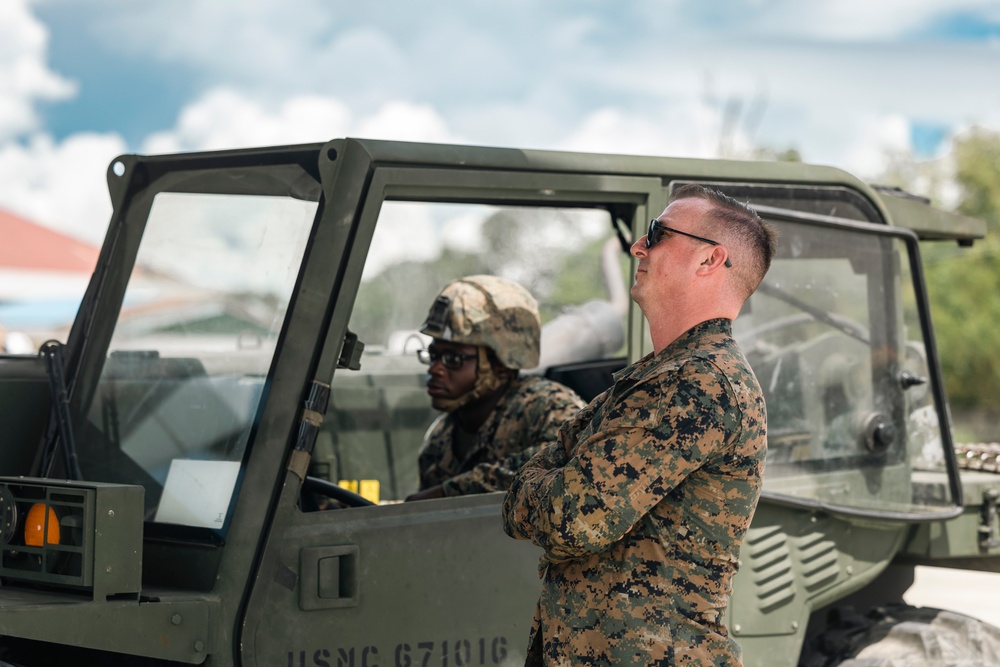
(750,241)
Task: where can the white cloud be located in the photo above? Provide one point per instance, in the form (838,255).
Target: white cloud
(859,143)
(685,127)
(254,44)
(875,137)
(683,130)
(406,232)
(539,75)
(62,185)
(24,76)
(845,21)
(405,121)
(225,118)
(861,20)
(652,78)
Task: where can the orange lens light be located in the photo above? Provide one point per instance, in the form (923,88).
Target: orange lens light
(35,534)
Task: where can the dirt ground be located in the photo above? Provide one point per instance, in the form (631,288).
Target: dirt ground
(972,593)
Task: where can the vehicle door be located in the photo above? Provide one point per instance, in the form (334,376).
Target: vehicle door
(434,582)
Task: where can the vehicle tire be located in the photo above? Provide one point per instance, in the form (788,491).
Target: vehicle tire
(903,636)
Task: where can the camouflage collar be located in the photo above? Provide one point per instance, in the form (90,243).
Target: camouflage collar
(693,338)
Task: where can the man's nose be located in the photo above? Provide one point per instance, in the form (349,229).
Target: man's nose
(639,248)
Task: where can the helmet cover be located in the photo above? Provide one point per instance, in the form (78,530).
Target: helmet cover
(488,311)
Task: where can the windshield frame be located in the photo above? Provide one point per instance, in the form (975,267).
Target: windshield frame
(135,181)
(911,242)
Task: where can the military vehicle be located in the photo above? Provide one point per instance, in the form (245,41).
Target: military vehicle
(210,469)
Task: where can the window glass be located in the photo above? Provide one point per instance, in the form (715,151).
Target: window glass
(570,260)
(833,333)
(186,367)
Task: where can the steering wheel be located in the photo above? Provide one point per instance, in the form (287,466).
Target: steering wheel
(322,487)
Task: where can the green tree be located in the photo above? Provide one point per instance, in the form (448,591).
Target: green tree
(977,170)
(964,283)
(402,294)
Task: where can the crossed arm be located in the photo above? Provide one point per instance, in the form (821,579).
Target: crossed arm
(585,491)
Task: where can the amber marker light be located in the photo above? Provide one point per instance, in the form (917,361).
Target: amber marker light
(35,534)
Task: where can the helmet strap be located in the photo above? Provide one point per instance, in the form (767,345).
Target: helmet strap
(488,380)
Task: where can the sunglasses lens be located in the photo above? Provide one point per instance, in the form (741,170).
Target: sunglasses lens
(652,235)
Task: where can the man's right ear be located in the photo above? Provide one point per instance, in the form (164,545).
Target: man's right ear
(718,259)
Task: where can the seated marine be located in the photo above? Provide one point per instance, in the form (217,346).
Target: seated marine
(484,330)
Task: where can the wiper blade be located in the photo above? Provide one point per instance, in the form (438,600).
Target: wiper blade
(59,436)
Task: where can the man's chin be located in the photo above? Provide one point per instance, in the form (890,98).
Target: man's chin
(439,403)
(636,293)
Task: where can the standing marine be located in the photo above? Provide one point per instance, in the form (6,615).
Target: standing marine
(642,502)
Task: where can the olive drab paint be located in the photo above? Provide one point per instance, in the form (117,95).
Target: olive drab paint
(210,429)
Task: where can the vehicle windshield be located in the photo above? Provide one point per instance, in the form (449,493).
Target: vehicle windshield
(834,335)
(186,368)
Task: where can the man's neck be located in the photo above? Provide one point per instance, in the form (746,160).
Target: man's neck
(663,335)
(666,326)
(472,416)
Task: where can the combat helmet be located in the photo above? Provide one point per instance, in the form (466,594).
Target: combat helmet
(488,311)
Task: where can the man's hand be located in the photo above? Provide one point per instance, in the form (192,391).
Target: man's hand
(427,494)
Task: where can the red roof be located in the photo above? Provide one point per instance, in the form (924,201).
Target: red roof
(26,245)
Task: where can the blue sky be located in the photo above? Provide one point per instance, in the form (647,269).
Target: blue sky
(844,82)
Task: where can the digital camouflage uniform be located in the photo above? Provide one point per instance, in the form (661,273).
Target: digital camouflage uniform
(528,415)
(641,505)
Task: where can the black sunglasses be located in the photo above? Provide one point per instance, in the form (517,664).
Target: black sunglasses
(657,230)
(450,359)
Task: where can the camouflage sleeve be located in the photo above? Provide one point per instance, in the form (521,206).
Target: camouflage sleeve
(542,418)
(488,477)
(550,456)
(649,441)
(436,440)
